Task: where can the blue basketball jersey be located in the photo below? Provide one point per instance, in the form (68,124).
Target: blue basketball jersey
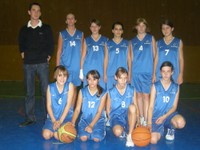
(94,59)
(120,103)
(90,104)
(71,50)
(117,56)
(142,55)
(170,53)
(164,99)
(59,100)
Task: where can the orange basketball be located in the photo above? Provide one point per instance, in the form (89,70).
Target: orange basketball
(141,136)
(67,133)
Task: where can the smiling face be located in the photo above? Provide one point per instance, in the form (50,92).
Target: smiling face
(167,30)
(92,82)
(34,12)
(61,78)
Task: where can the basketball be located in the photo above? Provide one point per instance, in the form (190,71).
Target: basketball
(141,136)
(67,133)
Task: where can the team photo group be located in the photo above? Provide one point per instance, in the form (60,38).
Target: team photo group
(103,82)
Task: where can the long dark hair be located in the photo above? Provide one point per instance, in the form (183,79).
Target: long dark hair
(95,74)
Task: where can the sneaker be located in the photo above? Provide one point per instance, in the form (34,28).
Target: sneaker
(144,123)
(123,135)
(129,141)
(170,134)
(141,120)
(108,123)
(26,123)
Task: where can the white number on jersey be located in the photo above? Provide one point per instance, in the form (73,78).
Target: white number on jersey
(72,43)
(141,48)
(123,104)
(117,50)
(166,99)
(91,104)
(60,101)
(166,51)
(95,48)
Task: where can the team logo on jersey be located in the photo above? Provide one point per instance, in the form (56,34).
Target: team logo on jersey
(147,42)
(124,45)
(78,38)
(102,43)
(128,95)
(175,45)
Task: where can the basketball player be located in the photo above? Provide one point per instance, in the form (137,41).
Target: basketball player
(121,107)
(170,49)
(91,104)
(143,66)
(59,100)
(117,54)
(93,56)
(163,104)
(69,51)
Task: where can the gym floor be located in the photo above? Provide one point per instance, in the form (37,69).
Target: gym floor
(29,138)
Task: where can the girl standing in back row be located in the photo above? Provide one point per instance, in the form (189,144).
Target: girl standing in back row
(69,51)
(170,49)
(117,54)
(93,56)
(143,66)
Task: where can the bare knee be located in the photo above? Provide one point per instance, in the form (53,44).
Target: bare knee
(47,134)
(83,138)
(155,137)
(132,109)
(181,123)
(178,122)
(117,130)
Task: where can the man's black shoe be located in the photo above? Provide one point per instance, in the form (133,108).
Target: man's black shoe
(26,123)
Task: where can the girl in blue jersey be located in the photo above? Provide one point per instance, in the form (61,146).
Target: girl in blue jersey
(69,51)
(59,100)
(121,106)
(170,49)
(117,54)
(143,66)
(91,103)
(93,56)
(163,104)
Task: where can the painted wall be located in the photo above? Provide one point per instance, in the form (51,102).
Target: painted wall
(185,15)
(12,66)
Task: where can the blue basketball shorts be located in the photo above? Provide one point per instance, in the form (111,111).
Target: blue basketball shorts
(142,82)
(99,129)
